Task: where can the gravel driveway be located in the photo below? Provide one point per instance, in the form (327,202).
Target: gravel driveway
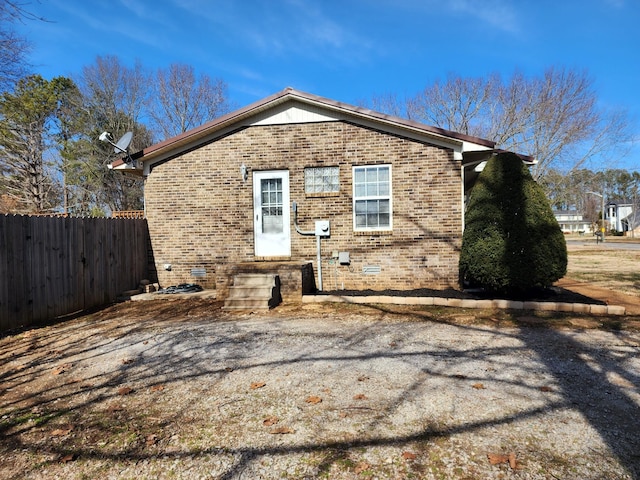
(137,391)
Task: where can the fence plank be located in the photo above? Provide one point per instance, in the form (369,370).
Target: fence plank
(4,274)
(77,264)
(57,253)
(19,294)
(35,278)
(54,266)
(65,302)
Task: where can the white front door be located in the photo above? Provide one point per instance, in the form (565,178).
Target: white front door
(271,216)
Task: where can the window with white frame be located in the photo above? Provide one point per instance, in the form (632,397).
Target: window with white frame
(321,179)
(372,198)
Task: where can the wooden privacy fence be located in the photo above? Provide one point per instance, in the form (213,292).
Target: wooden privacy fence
(51,266)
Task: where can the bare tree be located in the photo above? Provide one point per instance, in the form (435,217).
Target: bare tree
(459,104)
(13,47)
(114,98)
(183,101)
(388,103)
(115,92)
(554,117)
(26,180)
(27,129)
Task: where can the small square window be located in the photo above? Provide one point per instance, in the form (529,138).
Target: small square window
(322,179)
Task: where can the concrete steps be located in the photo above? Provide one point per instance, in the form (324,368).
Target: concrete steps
(253,291)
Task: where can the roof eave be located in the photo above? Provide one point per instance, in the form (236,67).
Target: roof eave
(236,116)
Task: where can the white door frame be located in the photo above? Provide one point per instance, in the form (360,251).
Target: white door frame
(272,221)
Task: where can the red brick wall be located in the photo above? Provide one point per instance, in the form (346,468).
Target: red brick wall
(200,212)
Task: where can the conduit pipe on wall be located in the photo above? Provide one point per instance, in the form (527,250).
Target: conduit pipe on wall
(322,230)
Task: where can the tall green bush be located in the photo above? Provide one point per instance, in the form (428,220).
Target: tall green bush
(512,243)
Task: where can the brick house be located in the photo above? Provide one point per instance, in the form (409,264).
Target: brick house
(219,199)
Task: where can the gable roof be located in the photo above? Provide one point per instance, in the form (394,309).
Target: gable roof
(317,108)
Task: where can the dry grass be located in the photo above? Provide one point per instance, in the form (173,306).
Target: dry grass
(618,270)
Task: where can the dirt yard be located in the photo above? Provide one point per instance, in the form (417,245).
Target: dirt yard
(180,389)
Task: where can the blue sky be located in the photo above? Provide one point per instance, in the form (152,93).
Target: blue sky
(350,50)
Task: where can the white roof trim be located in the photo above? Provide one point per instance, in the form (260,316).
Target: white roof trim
(294,108)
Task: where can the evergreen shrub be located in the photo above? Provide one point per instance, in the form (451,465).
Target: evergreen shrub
(512,243)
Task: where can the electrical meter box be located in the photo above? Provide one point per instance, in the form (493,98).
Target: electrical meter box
(322,228)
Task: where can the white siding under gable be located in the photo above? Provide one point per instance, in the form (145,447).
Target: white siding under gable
(293,113)
(302,112)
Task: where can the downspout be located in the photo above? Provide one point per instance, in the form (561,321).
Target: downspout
(462,176)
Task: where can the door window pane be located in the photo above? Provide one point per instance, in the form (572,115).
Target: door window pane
(272,215)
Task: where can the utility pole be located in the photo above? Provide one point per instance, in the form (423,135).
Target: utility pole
(601,195)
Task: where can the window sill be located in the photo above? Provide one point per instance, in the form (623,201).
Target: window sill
(374,233)
(272,259)
(322,194)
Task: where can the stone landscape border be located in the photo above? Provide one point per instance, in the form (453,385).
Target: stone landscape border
(586,308)
(469,303)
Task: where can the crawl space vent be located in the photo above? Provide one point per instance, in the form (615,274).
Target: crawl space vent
(199,272)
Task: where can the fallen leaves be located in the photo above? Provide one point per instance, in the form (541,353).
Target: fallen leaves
(313,400)
(60,369)
(496,459)
(62,431)
(361,467)
(257,385)
(409,456)
(157,388)
(151,439)
(270,421)
(125,390)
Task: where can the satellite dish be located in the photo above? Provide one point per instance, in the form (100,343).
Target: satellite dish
(122,145)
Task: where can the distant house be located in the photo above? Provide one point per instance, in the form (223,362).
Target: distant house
(621,216)
(246,192)
(571,221)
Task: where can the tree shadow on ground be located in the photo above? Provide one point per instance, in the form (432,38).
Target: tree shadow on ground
(202,353)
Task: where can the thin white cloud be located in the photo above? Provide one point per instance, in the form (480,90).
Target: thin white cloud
(277,29)
(500,14)
(128,19)
(495,13)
